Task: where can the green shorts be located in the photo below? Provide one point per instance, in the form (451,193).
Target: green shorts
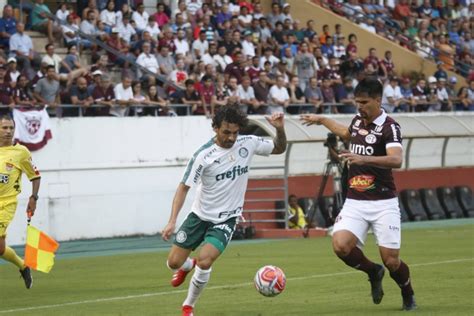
(194,231)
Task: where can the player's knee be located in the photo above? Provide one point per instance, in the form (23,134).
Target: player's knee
(204,263)
(392,263)
(174,262)
(341,249)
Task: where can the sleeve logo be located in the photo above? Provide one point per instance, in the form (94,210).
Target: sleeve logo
(362,182)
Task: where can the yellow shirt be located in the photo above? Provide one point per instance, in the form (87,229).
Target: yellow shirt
(14,160)
(301,219)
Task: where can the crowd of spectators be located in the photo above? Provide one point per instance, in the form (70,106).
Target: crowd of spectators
(441,30)
(207,53)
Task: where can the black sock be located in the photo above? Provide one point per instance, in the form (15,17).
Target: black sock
(357,260)
(402,277)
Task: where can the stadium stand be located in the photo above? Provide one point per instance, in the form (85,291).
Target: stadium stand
(228,41)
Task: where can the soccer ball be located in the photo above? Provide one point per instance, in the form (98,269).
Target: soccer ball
(270,281)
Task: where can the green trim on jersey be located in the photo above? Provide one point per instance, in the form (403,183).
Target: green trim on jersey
(190,165)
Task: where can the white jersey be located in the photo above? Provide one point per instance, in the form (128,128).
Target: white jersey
(221,176)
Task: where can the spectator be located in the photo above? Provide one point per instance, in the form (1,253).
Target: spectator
(141,18)
(328,48)
(407,94)
(191,97)
(446,53)
(139,100)
(5,91)
(275,15)
(108,16)
(339,48)
(309,32)
(166,61)
(91,7)
(7,27)
(440,72)
(51,58)
(289,59)
(279,98)
(444,101)
(21,47)
(324,34)
(352,47)
(261,90)
(179,75)
(70,36)
(47,91)
(237,68)
(248,48)
(286,15)
(124,98)
(304,65)
(181,43)
(265,31)
(328,96)
(433,102)
(344,93)
(245,18)
(126,30)
(12,72)
(207,91)
(222,59)
(464,103)
(103,95)
(392,96)
(20,96)
(152,28)
(88,26)
(296,216)
(40,20)
(160,16)
(268,56)
(200,46)
(114,41)
(313,96)
(152,98)
(420,95)
(81,96)
(147,60)
(296,95)
(351,67)
(247,101)
(62,12)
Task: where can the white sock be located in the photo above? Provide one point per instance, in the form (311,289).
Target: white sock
(196,285)
(187,265)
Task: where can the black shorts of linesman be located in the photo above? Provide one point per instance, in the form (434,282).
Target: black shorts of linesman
(376,148)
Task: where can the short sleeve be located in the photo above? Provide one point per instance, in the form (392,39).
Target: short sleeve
(392,135)
(27,166)
(263,147)
(194,170)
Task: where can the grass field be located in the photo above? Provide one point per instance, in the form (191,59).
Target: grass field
(135,280)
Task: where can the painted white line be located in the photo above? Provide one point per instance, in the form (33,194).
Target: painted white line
(218,287)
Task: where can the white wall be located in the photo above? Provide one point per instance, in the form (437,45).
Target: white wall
(105,177)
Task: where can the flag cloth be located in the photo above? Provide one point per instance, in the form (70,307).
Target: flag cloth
(32,128)
(39,250)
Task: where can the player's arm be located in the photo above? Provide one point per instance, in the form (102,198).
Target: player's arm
(178,201)
(31,208)
(337,128)
(392,160)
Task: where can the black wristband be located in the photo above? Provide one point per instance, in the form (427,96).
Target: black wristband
(34,196)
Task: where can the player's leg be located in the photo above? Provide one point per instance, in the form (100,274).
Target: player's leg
(189,237)
(388,234)
(10,255)
(350,232)
(216,240)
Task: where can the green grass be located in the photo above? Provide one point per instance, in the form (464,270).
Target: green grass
(441,259)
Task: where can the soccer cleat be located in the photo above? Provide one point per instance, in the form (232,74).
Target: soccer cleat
(180,275)
(409,303)
(26,276)
(376,283)
(187,310)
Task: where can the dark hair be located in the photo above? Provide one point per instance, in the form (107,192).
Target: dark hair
(50,67)
(291,196)
(7,117)
(47,46)
(370,87)
(230,114)
(189,82)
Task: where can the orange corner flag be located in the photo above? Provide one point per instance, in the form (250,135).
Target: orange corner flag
(39,250)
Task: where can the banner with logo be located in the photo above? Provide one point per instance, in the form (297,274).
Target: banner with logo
(32,128)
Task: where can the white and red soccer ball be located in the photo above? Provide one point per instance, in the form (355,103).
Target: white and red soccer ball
(270,281)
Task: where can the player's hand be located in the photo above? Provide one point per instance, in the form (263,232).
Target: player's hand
(353,159)
(168,231)
(311,119)
(276,120)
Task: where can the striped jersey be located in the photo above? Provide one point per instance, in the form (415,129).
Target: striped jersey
(221,176)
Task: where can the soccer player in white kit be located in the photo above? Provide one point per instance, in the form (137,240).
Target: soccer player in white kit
(376,148)
(220,170)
